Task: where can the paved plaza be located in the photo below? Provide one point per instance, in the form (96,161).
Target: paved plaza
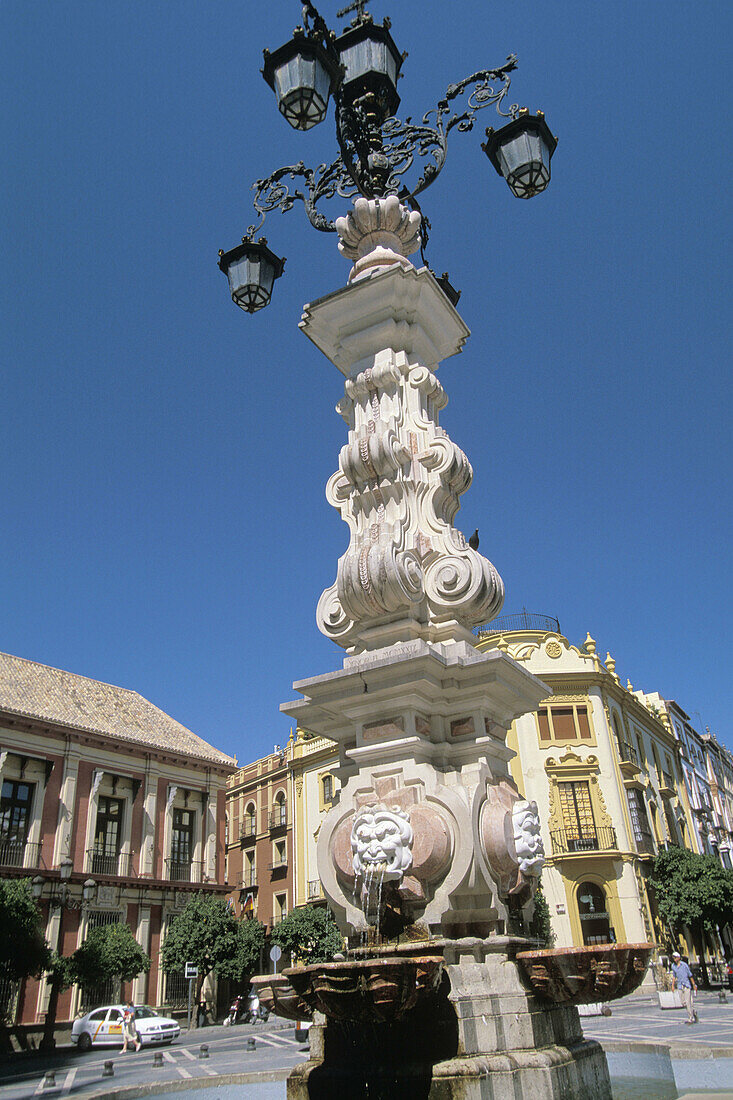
(701,1059)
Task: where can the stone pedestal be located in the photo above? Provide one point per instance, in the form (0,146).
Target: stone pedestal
(480,1036)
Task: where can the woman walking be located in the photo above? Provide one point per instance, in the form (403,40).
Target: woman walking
(128,1028)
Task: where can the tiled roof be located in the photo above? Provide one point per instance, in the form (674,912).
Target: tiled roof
(63,698)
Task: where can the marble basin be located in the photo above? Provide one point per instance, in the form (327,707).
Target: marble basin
(585,975)
(278,996)
(366,990)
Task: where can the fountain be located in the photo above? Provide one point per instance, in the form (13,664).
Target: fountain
(429,857)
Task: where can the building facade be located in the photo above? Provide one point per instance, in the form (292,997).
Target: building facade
(260,838)
(606,774)
(114,810)
(314,784)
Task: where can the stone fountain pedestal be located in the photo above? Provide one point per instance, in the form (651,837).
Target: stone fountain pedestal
(479,1036)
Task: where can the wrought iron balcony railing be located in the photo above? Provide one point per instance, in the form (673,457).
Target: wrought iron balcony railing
(179,870)
(628,753)
(278,865)
(645,844)
(567,841)
(249,880)
(249,829)
(102,861)
(524,620)
(15,852)
(278,818)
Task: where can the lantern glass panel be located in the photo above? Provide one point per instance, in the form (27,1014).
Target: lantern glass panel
(250,282)
(525,163)
(302,86)
(369,56)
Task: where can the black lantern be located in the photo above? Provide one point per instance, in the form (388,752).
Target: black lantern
(251,269)
(521,152)
(302,75)
(371,63)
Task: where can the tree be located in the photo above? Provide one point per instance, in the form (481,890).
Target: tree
(540,927)
(110,951)
(245,961)
(309,933)
(24,952)
(205,933)
(692,890)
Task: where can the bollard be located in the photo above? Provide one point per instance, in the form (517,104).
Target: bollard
(722,997)
(158,1058)
(49,1081)
(251,1044)
(203,1051)
(109,1069)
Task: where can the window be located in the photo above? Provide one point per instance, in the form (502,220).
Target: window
(280,909)
(107,836)
(594,919)
(182,845)
(249,821)
(327,784)
(639,818)
(15,816)
(279,813)
(564,723)
(279,854)
(577,813)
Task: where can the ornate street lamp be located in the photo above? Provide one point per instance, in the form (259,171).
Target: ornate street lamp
(521,152)
(360,68)
(251,269)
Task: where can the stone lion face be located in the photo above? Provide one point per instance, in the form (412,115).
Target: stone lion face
(381,839)
(527,838)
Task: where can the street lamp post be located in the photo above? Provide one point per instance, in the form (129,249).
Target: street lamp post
(61,901)
(359,68)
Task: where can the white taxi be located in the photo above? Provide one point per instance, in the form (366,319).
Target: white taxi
(103,1027)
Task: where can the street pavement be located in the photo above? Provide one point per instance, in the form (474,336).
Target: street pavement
(640,1020)
(22,1077)
(277,1051)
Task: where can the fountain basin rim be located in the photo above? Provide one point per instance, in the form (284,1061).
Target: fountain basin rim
(587,949)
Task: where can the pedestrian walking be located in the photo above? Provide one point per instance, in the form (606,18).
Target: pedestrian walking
(683,980)
(129,1031)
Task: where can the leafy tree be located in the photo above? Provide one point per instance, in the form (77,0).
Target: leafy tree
(109,951)
(245,961)
(23,949)
(540,927)
(692,890)
(206,934)
(309,933)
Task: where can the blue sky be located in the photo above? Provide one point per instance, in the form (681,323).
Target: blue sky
(165,525)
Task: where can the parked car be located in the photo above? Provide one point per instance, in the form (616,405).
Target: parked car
(103,1027)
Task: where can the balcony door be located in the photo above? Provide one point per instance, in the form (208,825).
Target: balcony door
(182,844)
(577,817)
(107,836)
(15,819)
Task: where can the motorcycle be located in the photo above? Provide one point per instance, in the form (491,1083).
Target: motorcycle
(236,1011)
(255,1010)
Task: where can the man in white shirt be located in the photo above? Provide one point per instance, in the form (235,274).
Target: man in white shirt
(683,980)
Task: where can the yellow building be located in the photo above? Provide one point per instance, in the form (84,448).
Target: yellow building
(604,770)
(313,764)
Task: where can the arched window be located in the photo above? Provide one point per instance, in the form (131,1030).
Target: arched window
(327,784)
(595,921)
(249,822)
(280,812)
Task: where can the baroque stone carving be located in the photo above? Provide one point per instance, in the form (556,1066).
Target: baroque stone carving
(408,572)
(527,839)
(378,233)
(381,842)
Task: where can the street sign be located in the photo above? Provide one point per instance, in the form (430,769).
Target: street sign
(191,971)
(275,953)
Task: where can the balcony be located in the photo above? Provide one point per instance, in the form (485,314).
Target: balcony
(249,830)
(102,861)
(179,870)
(249,880)
(278,865)
(315,890)
(525,620)
(15,852)
(628,760)
(666,784)
(577,841)
(645,844)
(278,818)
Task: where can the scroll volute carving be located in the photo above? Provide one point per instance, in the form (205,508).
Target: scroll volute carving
(431,850)
(509,830)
